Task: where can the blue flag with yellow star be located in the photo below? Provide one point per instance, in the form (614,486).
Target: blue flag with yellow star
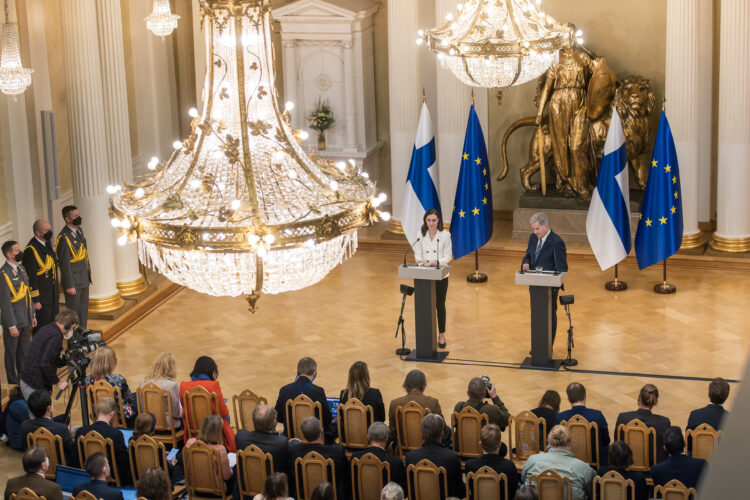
(659,233)
(471,222)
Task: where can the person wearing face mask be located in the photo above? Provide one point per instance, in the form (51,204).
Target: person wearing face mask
(40,262)
(16,310)
(73,259)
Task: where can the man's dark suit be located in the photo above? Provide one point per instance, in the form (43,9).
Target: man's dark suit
(40,262)
(658,422)
(498,464)
(277,446)
(592,416)
(681,467)
(711,414)
(552,257)
(37,484)
(441,457)
(398,472)
(332,451)
(100,489)
(57,428)
(121,449)
(304,385)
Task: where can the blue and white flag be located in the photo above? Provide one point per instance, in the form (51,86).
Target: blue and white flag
(420,193)
(608,221)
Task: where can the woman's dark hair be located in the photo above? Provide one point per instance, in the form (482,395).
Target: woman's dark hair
(323,491)
(154,485)
(276,486)
(432,211)
(620,455)
(205,365)
(649,395)
(145,423)
(551,399)
(14,394)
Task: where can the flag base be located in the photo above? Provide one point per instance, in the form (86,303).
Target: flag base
(665,288)
(477,277)
(616,285)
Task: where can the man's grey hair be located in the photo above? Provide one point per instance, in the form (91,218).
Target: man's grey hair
(378,432)
(541,218)
(392,491)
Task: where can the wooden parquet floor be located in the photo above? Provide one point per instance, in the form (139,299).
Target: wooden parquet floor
(351,315)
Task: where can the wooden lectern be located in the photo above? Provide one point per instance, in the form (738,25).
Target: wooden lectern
(540,287)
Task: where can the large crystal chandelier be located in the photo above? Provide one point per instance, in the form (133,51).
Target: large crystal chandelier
(496,43)
(161,21)
(14,78)
(239,208)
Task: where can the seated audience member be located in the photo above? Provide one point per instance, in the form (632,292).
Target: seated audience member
(211,434)
(312,432)
(267,439)
(433,429)
(478,391)
(163,374)
(35,464)
(577,397)
(377,433)
(494,457)
(323,491)
(16,412)
(414,385)
(620,458)
(307,370)
(358,387)
(677,465)
(548,408)
(105,412)
(276,487)
(647,399)
(145,423)
(392,491)
(102,367)
(40,405)
(154,485)
(526,492)
(205,372)
(714,412)
(559,457)
(97,467)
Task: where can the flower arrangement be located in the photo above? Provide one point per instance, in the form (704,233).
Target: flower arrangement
(321,116)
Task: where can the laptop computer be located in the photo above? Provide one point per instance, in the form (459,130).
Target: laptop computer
(70,477)
(333,404)
(128,493)
(127,434)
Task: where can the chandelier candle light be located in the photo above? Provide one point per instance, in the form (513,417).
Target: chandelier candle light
(14,78)
(239,208)
(161,21)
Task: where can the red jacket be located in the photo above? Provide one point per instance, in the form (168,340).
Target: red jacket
(223,411)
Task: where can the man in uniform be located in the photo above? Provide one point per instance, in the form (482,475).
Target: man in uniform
(73,259)
(16,310)
(40,262)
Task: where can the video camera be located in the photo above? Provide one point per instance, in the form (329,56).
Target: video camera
(80,345)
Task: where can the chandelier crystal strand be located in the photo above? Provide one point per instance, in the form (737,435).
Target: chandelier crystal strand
(14,78)
(161,21)
(239,207)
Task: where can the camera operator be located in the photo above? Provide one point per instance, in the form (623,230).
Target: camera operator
(479,390)
(40,369)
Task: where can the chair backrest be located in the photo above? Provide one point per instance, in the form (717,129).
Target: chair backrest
(202,475)
(199,404)
(584,438)
(703,440)
(354,419)
(426,481)
(409,426)
(253,467)
(675,490)
(552,486)
(153,399)
(310,471)
(297,410)
(642,440)
(243,405)
(53,444)
(369,476)
(146,453)
(467,426)
(486,483)
(528,435)
(612,486)
(103,389)
(26,494)
(93,442)
(84,495)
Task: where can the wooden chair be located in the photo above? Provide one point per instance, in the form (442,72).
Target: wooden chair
(612,486)
(197,404)
(253,467)
(243,405)
(84,495)
(93,442)
(153,399)
(310,471)
(409,426)
(54,446)
(486,483)
(702,441)
(675,490)
(426,481)
(642,440)
(584,437)
(353,422)
(297,410)
(528,435)
(552,486)
(103,389)
(202,475)
(467,426)
(26,494)
(369,476)
(146,453)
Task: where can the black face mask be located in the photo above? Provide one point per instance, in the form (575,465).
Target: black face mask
(77,221)
(18,257)
(48,235)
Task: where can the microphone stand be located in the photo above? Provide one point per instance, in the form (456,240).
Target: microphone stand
(403,351)
(569,361)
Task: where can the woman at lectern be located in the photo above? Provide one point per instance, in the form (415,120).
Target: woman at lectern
(434,248)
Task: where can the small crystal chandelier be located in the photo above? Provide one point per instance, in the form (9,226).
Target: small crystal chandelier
(161,21)
(496,43)
(239,207)
(14,78)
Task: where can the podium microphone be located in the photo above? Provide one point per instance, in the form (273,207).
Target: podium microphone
(410,248)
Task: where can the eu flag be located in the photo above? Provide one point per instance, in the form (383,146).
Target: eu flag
(659,233)
(471,222)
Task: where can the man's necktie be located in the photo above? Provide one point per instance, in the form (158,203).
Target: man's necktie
(538,249)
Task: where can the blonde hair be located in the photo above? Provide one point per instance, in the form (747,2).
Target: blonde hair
(165,367)
(103,362)
(359,380)
(211,430)
(559,437)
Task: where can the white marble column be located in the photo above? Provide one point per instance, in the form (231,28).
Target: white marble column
(351,106)
(705,110)
(129,280)
(681,91)
(733,183)
(88,146)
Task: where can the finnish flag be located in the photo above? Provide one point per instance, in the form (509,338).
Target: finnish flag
(420,193)
(608,220)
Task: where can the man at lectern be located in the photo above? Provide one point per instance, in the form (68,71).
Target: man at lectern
(434,248)
(546,252)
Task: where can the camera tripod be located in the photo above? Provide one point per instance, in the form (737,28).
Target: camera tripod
(77,379)
(569,361)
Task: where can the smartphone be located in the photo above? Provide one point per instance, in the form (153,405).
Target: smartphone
(172,453)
